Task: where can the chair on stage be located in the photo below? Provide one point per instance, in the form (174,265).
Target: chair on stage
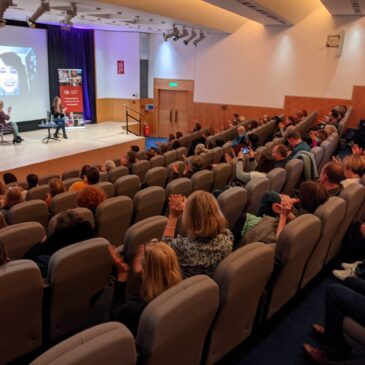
(5,129)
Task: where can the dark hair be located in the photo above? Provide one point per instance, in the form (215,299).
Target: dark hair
(9,178)
(171,137)
(135,149)
(56,187)
(268,199)
(254,139)
(198,126)
(67,219)
(282,150)
(92,175)
(32,180)
(178,135)
(3,254)
(12,59)
(236,115)
(84,171)
(266,163)
(292,134)
(312,194)
(334,172)
(219,142)
(304,113)
(291,118)
(163,148)
(322,135)
(196,163)
(176,144)
(335,113)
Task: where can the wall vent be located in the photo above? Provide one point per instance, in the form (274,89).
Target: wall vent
(356,6)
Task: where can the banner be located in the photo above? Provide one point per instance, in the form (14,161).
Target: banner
(70,85)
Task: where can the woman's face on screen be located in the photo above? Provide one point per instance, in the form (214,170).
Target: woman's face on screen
(9,78)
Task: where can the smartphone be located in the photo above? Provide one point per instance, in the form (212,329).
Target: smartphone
(245,150)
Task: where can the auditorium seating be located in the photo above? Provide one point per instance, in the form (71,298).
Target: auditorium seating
(294,171)
(127,185)
(169,157)
(68,182)
(343,123)
(256,188)
(108,343)
(45,179)
(173,327)
(107,187)
(202,180)
(38,192)
(118,172)
(180,166)
(354,335)
(140,169)
(221,176)
(180,152)
(70,174)
(181,186)
(63,201)
(157,176)
(156,161)
(277,179)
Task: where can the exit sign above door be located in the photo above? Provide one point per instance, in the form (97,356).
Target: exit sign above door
(173,84)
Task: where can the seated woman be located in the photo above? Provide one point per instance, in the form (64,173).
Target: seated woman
(5,119)
(311,195)
(159,270)
(109,165)
(58,113)
(317,137)
(55,187)
(90,197)
(79,185)
(207,241)
(13,197)
(70,228)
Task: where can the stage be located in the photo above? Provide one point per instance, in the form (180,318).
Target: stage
(92,145)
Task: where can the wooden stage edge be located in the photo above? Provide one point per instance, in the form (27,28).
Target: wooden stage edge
(96,156)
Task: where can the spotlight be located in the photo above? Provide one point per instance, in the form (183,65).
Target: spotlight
(184,34)
(201,37)
(4,4)
(38,13)
(175,32)
(70,14)
(192,36)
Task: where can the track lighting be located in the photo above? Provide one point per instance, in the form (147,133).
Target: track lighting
(184,34)
(192,36)
(201,37)
(4,4)
(70,14)
(175,32)
(38,13)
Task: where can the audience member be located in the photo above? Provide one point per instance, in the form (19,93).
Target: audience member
(280,155)
(317,137)
(55,187)
(330,129)
(235,120)
(13,197)
(354,168)
(158,267)
(331,176)
(199,149)
(296,143)
(178,135)
(176,144)
(150,153)
(9,178)
(32,180)
(197,127)
(207,241)
(90,197)
(135,148)
(109,165)
(311,195)
(171,137)
(76,186)
(241,139)
(3,190)
(192,165)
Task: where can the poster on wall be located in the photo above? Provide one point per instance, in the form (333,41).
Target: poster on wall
(70,86)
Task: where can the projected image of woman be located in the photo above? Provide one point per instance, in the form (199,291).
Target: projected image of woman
(13,80)
(58,113)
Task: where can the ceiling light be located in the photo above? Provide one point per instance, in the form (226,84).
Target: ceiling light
(192,36)
(38,13)
(183,34)
(201,37)
(70,14)
(4,4)
(175,32)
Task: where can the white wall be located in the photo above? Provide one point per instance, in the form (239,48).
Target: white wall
(110,47)
(259,65)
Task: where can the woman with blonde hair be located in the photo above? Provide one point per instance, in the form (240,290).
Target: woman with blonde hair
(354,168)
(207,241)
(159,269)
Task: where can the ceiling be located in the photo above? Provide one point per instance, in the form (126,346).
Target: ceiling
(99,15)
(345,7)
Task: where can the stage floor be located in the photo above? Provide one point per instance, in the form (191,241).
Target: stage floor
(93,139)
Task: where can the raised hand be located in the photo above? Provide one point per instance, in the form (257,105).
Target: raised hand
(176,205)
(122,266)
(356,150)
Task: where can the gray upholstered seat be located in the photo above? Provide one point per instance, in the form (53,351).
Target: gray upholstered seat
(45,179)
(221,175)
(157,176)
(294,171)
(63,201)
(256,188)
(140,169)
(107,187)
(69,174)
(202,180)
(68,182)
(127,185)
(156,161)
(30,211)
(118,172)
(38,192)
(277,179)
(169,156)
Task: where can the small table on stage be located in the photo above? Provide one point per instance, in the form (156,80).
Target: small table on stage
(48,126)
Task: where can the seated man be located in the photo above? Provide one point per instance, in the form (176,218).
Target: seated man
(280,154)
(296,143)
(331,176)
(5,119)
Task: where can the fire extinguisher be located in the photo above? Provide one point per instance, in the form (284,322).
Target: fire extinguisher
(146,130)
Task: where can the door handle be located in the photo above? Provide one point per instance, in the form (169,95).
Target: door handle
(176,115)
(170,115)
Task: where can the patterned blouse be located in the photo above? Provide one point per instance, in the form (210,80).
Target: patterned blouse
(201,256)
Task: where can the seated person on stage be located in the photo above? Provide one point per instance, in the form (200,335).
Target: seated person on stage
(5,119)
(58,113)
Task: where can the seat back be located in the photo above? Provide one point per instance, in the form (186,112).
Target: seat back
(354,334)
(169,157)
(38,192)
(106,343)
(295,244)
(327,153)
(157,176)
(256,188)
(19,238)
(127,185)
(113,217)
(143,232)
(156,161)
(233,203)
(318,155)
(63,201)
(354,196)
(294,171)
(68,182)
(218,154)
(104,177)
(140,169)
(117,162)
(181,186)
(166,335)
(118,172)
(141,155)
(107,187)
(240,287)
(221,176)
(207,158)
(277,179)
(180,152)
(85,213)
(171,175)
(69,174)
(331,214)
(21,309)
(32,211)
(202,180)
(148,202)
(76,274)
(45,179)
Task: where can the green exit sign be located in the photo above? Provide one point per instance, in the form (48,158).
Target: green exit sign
(173,84)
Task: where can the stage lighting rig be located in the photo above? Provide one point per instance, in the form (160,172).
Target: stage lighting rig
(201,37)
(38,13)
(175,32)
(4,4)
(183,34)
(192,36)
(70,14)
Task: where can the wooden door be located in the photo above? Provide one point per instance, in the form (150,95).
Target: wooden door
(165,113)
(181,111)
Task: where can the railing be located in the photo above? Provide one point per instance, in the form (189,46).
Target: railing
(137,119)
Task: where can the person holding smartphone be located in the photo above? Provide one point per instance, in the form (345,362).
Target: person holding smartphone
(5,119)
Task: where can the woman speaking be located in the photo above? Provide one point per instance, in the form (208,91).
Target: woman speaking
(58,113)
